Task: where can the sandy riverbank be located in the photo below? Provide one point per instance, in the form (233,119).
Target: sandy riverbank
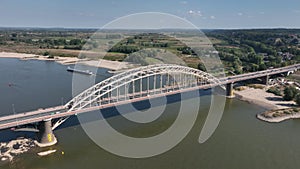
(263,98)
(24,56)
(112,65)
(269,101)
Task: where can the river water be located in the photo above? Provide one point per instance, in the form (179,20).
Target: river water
(240,141)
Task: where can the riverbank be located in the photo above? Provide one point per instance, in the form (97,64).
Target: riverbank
(277,116)
(25,56)
(15,147)
(114,66)
(270,102)
(101,63)
(262,98)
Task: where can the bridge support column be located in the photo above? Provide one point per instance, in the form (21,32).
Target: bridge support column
(45,136)
(265,80)
(229,90)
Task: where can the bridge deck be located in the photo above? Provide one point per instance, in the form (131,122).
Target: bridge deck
(31,113)
(258,74)
(40,115)
(50,113)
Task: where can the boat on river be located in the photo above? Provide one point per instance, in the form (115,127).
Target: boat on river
(87,72)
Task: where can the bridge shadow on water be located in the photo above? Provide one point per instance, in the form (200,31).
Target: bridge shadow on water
(108,113)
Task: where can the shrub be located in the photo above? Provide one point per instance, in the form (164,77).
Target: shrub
(290,93)
(46,53)
(256,86)
(275,91)
(51,57)
(240,88)
(297,99)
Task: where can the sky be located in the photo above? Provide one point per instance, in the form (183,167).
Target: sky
(205,14)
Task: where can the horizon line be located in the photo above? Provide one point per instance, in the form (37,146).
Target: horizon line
(89,28)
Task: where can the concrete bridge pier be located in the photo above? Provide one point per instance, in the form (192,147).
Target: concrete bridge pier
(45,135)
(265,80)
(229,90)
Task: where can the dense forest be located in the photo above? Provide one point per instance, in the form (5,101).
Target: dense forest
(252,50)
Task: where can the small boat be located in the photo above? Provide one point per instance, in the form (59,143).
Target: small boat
(115,71)
(87,72)
(44,153)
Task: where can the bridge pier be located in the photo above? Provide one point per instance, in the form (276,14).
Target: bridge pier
(229,90)
(265,80)
(45,135)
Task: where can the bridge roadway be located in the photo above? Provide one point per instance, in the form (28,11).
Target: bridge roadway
(62,111)
(253,75)
(52,112)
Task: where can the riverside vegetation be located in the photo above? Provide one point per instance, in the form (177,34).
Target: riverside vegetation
(240,50)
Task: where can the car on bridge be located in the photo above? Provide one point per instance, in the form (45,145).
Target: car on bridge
(53,113)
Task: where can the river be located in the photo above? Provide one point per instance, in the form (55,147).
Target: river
(240,141)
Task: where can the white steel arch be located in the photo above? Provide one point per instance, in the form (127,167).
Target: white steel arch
(142,81)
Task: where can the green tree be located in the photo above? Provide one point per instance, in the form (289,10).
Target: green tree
(130,41)
(297,99)
(46,53)
(237,68)
(275,91)
(75,42)
(289,93)
(201,67)
(262,66)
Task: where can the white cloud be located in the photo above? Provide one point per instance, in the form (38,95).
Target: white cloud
(194,13)
(240,14)
(262,13)
(212,17)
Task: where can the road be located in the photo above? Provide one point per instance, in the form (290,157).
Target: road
(62,111)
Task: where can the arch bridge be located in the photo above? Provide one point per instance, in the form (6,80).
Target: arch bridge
(144,81)
(130,86)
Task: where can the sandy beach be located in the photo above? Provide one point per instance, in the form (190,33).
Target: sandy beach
(112,65)
(24,56)
(263,98)
(270,102)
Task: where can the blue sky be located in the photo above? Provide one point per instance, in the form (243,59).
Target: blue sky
(203,13)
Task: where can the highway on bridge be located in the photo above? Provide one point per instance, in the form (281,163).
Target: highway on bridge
(101,94)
